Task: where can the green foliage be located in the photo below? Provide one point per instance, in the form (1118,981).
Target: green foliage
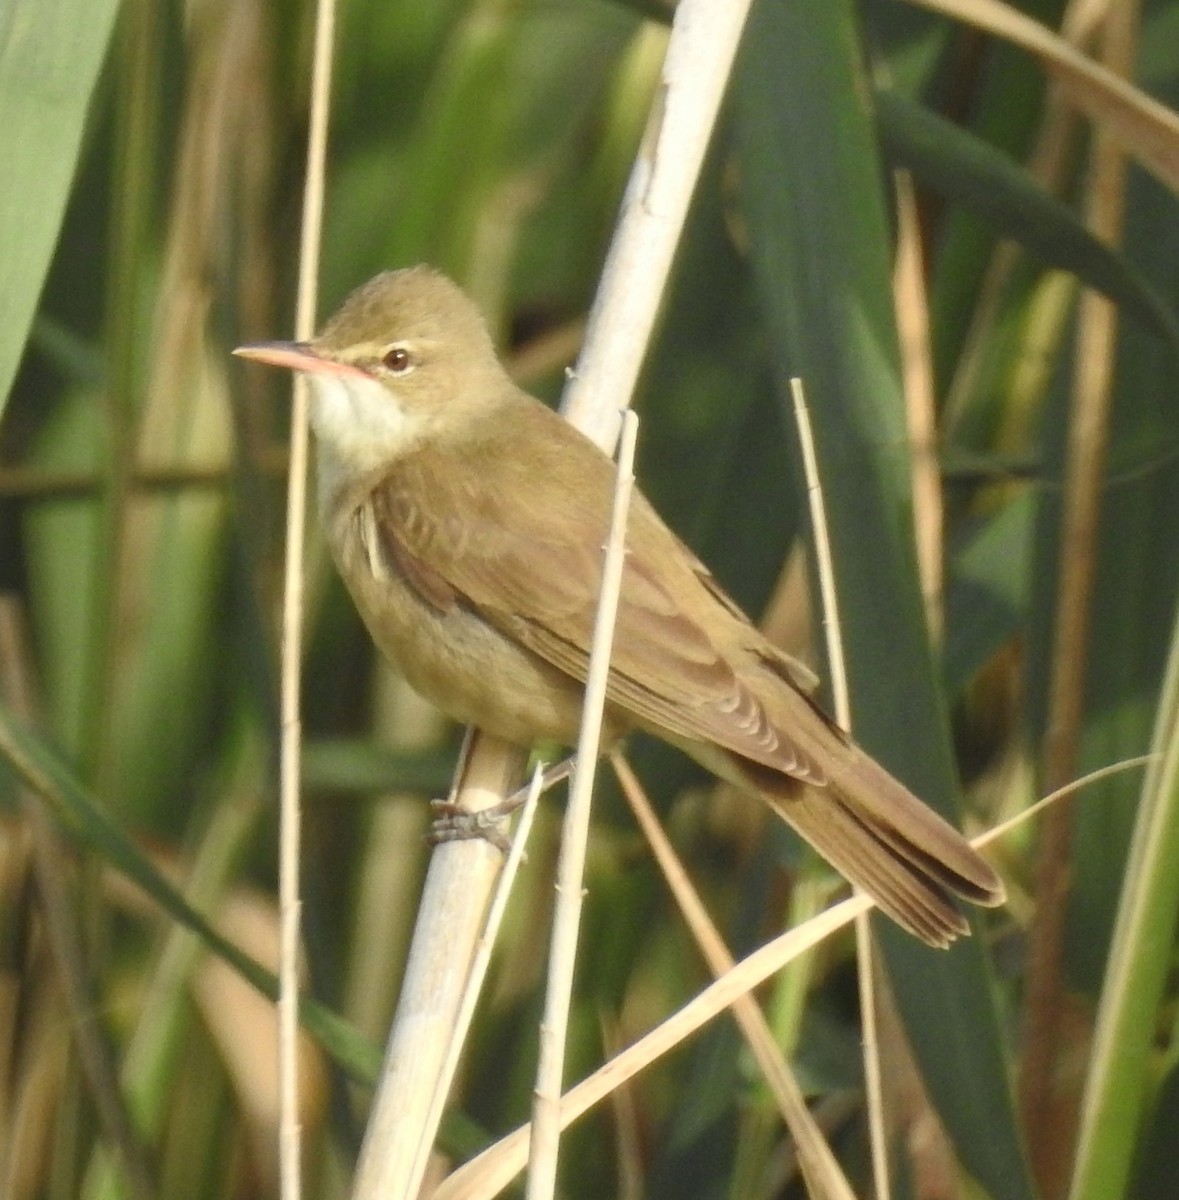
(149,214)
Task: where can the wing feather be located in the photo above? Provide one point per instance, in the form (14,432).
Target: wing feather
(540,588)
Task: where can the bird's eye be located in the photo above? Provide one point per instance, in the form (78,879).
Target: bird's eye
(398,360)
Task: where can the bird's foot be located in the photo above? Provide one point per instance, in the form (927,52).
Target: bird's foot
(454,822)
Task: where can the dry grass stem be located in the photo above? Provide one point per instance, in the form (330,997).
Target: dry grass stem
(912,310)
(824,567)
(700,52)
(1087,452)
(501,1163)
(1147,130)
(64,934)
(823,1175)
(546,1121)
(1061,793)
(292,618)
(479,965)
(450,922)
(837,667)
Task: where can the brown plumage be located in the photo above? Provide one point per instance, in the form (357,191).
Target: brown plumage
(468,521)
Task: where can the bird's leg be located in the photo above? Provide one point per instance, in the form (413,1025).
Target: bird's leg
(454,823)
(460,767)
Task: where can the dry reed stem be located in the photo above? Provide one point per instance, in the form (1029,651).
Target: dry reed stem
(1088,438)
(546,1123)
(63,931)
(700,52)
(911,303)
(824,567)
(451,919)
(479,965)
(820,1169)
(1045,803)
(1049,165)
(497,1166)
(1147,130)
(492,1170)
(829,602)
(290,1156)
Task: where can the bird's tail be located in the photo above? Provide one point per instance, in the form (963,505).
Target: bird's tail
(886,841)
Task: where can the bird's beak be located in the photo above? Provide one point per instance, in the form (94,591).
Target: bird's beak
(296,356)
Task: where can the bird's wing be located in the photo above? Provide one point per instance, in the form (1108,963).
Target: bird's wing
(513,567)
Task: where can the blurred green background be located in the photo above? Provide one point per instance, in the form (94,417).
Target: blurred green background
(149,217)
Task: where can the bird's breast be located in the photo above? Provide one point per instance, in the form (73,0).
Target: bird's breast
(450,654)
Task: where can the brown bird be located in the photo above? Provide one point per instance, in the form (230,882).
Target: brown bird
(468,522)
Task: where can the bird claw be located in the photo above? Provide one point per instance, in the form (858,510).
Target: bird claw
(454,822)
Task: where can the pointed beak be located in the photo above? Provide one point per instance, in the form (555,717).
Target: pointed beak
(296,356)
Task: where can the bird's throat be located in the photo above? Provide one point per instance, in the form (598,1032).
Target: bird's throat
(360,425)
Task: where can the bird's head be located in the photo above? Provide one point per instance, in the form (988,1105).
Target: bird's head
(406,356)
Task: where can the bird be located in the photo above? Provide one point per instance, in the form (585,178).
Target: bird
(468,521)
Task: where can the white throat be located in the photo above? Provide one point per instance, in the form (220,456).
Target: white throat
(359,425)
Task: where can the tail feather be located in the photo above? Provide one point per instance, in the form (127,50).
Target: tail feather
(902,890)
(883,839)
(915,830)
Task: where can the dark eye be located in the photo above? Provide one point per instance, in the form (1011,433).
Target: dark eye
(398,360)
